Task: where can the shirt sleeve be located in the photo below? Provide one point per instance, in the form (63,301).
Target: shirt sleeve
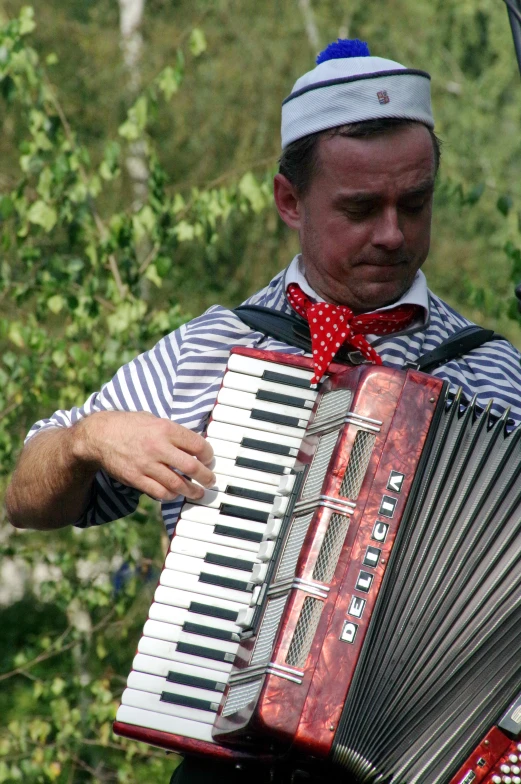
(145,384)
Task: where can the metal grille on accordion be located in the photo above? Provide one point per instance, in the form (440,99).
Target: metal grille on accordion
(350,590)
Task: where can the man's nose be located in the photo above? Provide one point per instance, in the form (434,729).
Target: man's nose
(387,231)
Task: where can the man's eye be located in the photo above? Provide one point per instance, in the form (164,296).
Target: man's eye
(414,207)
(359,212)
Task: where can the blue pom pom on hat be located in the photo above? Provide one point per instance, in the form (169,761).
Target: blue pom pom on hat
(344,47)
(350,85)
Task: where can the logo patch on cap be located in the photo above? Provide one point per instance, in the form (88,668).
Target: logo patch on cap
(383,96)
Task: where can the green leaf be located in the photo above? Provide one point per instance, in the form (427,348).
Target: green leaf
(27,23)
(168,81)
(197,42)
(251,190)
(504,204)
(56,303)
(6,207)
(152,275)
(15,335)
(59,358)
(184,231)
(125,315)
(58,686)
(41,214)
(51,59)
(136,120)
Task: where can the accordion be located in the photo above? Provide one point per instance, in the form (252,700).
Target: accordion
(350,590)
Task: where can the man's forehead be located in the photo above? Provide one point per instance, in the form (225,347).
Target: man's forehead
(407,153)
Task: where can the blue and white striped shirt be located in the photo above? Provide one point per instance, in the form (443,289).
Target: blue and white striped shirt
(179,379)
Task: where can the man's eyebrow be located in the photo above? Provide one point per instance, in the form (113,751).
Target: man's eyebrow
(363,197)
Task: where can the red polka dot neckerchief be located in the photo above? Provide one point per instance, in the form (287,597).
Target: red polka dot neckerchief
(333,325)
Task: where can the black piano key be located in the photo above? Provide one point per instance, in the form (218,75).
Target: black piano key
(213,612)
(266,446)
(276,419)
(259,465)
(189,702)
(210,631)
(231,563)
(237,533)
(244,513)
(207,653)
(282,378)
(192,680)
(276,397)
(224,582)
(252,495)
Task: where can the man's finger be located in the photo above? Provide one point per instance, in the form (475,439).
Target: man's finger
(191,467)
(173,484)
(191,442)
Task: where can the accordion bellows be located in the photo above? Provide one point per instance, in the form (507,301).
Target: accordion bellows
(379,627)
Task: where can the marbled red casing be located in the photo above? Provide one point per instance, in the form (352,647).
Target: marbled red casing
(305,716)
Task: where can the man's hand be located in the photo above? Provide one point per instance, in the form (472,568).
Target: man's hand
(52,484)
(145,452)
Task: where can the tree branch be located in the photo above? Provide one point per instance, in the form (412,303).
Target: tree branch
(22,670)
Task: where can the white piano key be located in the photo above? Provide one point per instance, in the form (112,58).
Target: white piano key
(256,367)
(153,702)
(273,528)
(252,384)
(162,668)
(152,646)
(190,565)
(177,615)
(213,499)
(191,582)
(245,617)
(232,451)
(170,633)
(232,397)
(223,466)
(259,573)
(266,551)
(280,506)
(241,416)
(151,683)
(230,432)
(223,482)
(286,484)
(202,514)
(184,599)
(163,723)
(198,549)
(205,533)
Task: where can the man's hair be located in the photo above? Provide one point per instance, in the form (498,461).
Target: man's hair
(299,161)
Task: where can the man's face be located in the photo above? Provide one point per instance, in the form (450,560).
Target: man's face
(364,222)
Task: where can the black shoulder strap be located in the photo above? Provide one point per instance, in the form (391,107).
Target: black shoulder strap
(294,331)
(457,345)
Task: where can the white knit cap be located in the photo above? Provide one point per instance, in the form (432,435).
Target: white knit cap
(349,85)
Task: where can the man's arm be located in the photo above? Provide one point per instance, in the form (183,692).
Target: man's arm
(53,480)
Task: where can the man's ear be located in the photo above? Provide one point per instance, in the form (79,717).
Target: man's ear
(287,201)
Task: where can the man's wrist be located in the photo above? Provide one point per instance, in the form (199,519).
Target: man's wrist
(83,447)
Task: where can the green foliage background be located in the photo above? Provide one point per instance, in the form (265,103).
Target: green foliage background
(88,280)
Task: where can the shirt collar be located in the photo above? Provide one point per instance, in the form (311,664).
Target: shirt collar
(417,294)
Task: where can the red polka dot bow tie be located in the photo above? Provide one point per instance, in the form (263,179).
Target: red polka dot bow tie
(332,326)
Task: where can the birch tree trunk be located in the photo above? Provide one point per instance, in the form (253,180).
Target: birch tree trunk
(310,24)
(130,20)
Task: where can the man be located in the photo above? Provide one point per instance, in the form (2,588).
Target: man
(356,182)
